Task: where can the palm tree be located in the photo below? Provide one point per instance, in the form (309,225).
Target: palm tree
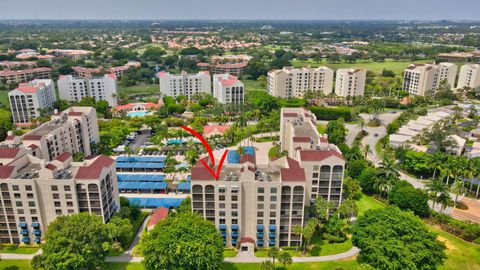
(285,258)
(436,187)
(367,150)
(273,253)
(457,188)
(436,160)
(387,174)
(361,124)
(298,230)
(444,199)
(267,265)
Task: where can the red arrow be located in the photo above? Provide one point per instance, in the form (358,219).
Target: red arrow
(215,174)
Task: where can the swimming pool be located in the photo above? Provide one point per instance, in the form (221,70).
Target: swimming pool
(176,141)
(139,113)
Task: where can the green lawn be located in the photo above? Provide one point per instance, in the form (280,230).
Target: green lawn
(4,98)
(320,248)
(227,252)
(397,66)
(18,250)
(368,202)
(253,85)
(140,89)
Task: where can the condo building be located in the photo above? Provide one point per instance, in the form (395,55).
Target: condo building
(469,76)
(24,75)
(73,130)
(258,201)
(185,84)
(34,192)
(100,88)
(350,82)
(292,82)
(118,71)
(228,89)
(447,72)
(28,98)
(420,79)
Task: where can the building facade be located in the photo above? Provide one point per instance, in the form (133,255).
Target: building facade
(100,88)
(447,72)
(350,82)
(421,79)
(185,84)
(24,75)
(35,192)
(228,89)
(73,130)
(469,76)
(292,82)
(28,98)
(260,201)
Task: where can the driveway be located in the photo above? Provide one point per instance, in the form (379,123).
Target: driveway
(140,139)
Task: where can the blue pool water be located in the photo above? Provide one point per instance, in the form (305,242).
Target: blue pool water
(138,113)
(176,141)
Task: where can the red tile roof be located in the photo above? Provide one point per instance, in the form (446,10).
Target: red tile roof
(211,129)
(199,172)
(27,89)
(248,158)
(33,146)
(95,169)
(10,138)
(318,155)
(289,115)
(246,240)
(292,163)
(302,139)
(50,166)
(64,156)
(9,152)
(32,137)
(71,113)
(159,214)
(292,175)
(6,171)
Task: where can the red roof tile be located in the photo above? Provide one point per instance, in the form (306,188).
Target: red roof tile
(211,129)
(302,139)
(33,146)
(292,175)
(289,115)
(199,172)
(248,158)
(292,163)
(32,137)
(71,113)
(10,138)
(64,156)
(318,155)
(6,171)
(95,169)
(9,152)
(159,214)
(246,240)
(50,166)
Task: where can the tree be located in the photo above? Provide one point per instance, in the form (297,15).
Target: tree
(267,265)
(185,241)
(387,175)
(351,189)
(367,180)
(336,132)
(79,241)
(322,208)
(273,253)
(120,231)
(457,188)
(406,197)
(348,208)
(285,258)
(392,239)
(436,187)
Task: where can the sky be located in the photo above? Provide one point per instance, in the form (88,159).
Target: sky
(242,9)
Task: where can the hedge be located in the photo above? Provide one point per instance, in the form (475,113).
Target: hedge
(332,113)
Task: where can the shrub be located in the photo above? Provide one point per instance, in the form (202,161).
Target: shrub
(332,113)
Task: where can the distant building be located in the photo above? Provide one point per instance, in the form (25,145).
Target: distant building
(24,75)
(228,89)
(210,131)
(14,64)
(118,71)
(72,54)
(73,130)
(292,82)
(469,76)
(420,79)
(185,84)
(350,82)
(139,106)
(231,64)
(100,88)
(28,98)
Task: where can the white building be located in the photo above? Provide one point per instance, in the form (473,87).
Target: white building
(185,84)
(228,89)
(73,130)
(292,82)
(469,76)
(350,82)
(28,98)
(420,79)
(99,88)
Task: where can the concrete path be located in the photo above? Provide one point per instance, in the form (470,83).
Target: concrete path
(248,258)
(15,256)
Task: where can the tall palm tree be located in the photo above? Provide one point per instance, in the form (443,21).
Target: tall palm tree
(436,160)
(367,148)
(436,187)
(444,199)
(457,188)
(387,174)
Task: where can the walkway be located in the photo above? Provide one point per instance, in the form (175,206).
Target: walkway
(246,258)
(15,256)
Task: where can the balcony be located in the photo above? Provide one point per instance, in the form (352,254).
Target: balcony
(260,235)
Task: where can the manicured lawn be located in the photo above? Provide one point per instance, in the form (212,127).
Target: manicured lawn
(461,254)
(4,98)
(368,202)
(320,248)
(321,129)
(18,250)
(397,66)
(139,89)
(253,85)
(124,266)
(15,265)
(229,253)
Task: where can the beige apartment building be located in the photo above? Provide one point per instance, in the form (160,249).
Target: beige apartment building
(100,88)
(469,76)
(350,82)
(185,84)
(259,201)
(420,79)
(34,191)
(228,89)
(24,75)
(447,72)
(292,82)
(73,130)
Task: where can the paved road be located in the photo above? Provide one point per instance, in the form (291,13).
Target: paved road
(140,139)
(15,256)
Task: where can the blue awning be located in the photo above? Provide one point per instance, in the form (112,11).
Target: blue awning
(271,242)
(24,232)
(260,235)
(234,234)
(260,227)
(37,232)
(260,242)
(183,186)
(156,202)
(272,227)
(222,227)
(26,240)
(142,185)
(234,242)
(37,240)
(22,224)
(223,233)
(272,235)
(140,177)
(234,226)
(35,224)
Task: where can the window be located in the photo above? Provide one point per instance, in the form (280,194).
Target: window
(56,196)
(16,195)
(28,188)
(273,198)
(234,205)
(57,204)
(15,187)
(54,188)
(221,190)
(273,206)
(260,206)
(235,198)
(260,190)
(70,211)
(30,195)
(315,175)
(222,213)
(66,188)
(259,214)
(273,190)
(221,221)
(70,204)
(58,212)
(234,214)
(260,198)
(221,198)
(33,211)
(34,219)
(19,204)
(234,221)
(272,222)
(260,221)
(316,168)
(221,205)
(273,214)
(20,211)
(68,196)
